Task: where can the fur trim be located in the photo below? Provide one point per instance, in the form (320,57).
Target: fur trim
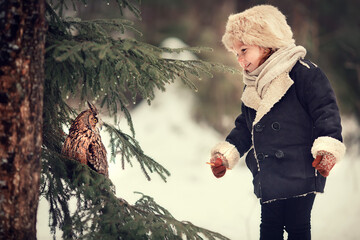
(262,25)
(274,93)
(229,151)
(329,144)
(302,195)
(304,64)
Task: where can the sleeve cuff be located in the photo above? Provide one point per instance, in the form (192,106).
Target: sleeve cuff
(229,151)
(329,144)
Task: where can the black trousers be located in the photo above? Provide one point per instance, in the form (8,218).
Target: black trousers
(291,215)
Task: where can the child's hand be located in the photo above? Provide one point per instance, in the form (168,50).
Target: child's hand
(324,162)
(218,165)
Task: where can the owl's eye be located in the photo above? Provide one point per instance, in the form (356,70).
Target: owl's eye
(95,120)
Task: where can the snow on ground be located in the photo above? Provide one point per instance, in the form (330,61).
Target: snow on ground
(167,133)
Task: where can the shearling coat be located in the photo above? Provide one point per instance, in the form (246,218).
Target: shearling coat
(297,117)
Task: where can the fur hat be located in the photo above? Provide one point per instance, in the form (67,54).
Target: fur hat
(262,25)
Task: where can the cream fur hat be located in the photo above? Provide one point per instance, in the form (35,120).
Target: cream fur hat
(262,25)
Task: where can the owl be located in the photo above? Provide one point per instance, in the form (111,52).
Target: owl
(84,141)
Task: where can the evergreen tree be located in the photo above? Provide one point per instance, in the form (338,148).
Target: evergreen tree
(83,59)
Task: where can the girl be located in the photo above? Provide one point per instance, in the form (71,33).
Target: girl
(289,126)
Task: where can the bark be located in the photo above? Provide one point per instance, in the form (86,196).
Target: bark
(22,41)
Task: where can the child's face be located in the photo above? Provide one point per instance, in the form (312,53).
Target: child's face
(249,56)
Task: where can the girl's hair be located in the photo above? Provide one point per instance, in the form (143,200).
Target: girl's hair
(268,54)
(262,25)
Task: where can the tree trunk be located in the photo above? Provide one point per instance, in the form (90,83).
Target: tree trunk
(22,41)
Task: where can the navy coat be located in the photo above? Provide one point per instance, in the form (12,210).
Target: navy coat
(298,109)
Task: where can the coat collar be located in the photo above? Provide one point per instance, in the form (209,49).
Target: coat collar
(274,93)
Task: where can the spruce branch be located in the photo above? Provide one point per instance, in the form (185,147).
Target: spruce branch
(107,70)
(99,213)
(129,147)
(104,26)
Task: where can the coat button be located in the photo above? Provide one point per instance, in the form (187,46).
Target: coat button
(260,156)
(275,126)
(258,127)
(279,154)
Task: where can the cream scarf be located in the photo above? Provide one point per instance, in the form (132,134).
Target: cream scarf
(281,61)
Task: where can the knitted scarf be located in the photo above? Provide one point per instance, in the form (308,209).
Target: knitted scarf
(283,60)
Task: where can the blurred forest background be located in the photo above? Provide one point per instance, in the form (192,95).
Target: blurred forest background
(329,30)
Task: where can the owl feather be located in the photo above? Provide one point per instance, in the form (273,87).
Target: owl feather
(84,141)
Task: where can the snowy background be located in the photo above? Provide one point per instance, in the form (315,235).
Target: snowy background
(167,132)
